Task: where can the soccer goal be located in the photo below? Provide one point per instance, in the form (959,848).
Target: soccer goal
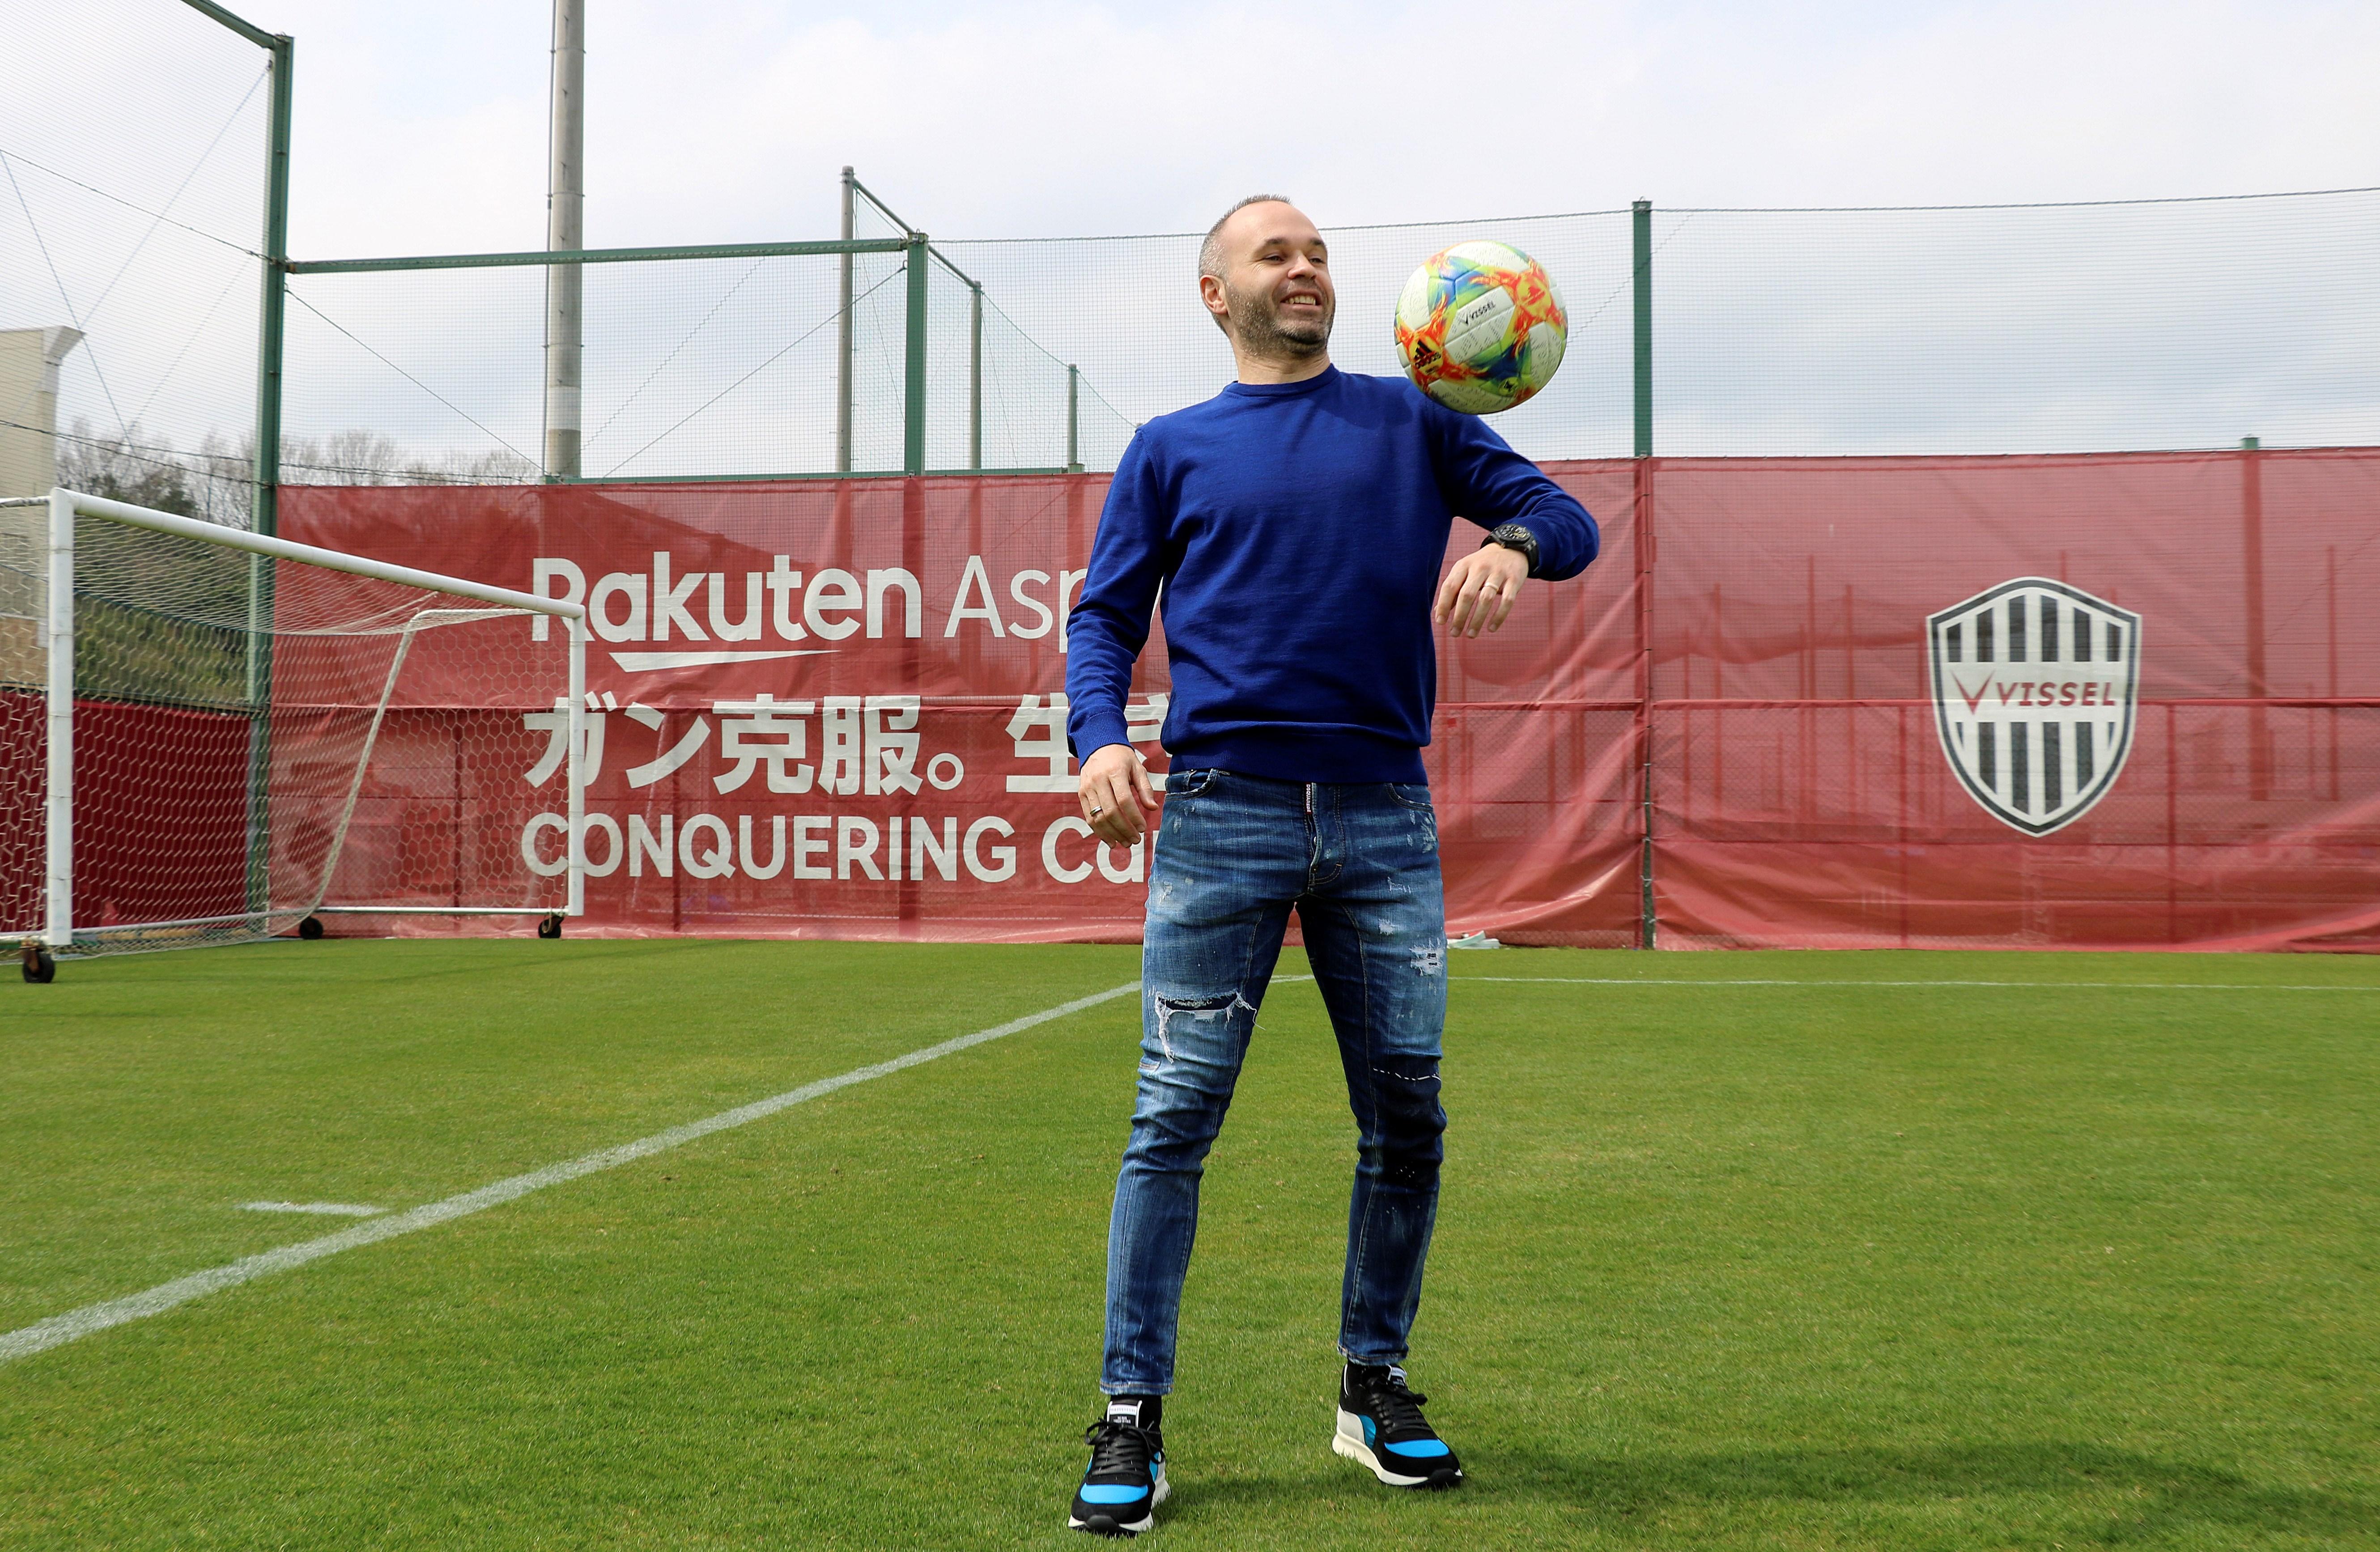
(213,737)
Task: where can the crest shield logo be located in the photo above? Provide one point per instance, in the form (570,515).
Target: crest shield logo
(2034,686)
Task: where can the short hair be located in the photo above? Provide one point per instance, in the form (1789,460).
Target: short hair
(1211,252)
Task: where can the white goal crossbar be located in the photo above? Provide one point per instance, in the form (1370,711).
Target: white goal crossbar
(65,506)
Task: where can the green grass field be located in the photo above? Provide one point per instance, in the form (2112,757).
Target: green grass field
(1718,1266)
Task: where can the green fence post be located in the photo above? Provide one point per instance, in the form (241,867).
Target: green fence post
(1641,223)
(913,398)
(1073,419)
(843,339)
(975,375)
(267,473)
(265,497)
(1641,215)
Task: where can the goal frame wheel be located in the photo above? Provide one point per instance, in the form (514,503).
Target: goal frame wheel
(41,967)
(549,927)
(310,929)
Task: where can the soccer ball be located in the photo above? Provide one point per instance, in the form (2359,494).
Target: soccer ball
(1480,327)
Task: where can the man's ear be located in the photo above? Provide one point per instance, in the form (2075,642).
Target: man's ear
(1210,291)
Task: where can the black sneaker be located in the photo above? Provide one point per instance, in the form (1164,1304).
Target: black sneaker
(1380,1425)
(1126,1481)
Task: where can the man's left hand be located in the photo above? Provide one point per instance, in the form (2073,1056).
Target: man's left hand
(1480,590)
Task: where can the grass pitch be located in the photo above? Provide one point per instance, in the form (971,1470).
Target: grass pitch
(1717,1267)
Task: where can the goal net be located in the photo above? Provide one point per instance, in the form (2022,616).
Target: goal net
(212,736)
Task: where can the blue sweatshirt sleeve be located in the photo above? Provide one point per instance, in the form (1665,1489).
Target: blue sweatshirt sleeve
(1109,624)
(1483,480)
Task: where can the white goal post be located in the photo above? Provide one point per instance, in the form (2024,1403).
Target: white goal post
(254,713)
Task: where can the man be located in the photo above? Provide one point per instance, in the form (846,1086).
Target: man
(1296,524)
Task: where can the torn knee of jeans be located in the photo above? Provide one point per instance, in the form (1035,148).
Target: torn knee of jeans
(1419,1070)
(1203,1009)
(1186,1017)
(1429,959)
(1198,1010)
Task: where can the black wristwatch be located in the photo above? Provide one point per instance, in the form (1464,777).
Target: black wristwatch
(1512,536)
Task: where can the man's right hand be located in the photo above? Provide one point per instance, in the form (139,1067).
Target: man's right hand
(1116,793)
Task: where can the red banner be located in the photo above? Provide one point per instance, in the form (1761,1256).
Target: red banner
(2109,701)
(1806,792)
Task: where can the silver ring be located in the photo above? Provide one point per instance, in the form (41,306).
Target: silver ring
(1095,810)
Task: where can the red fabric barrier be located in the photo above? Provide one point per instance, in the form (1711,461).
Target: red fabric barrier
(1803,796)
(1765,657)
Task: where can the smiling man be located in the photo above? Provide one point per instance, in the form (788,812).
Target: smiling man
(1295,525)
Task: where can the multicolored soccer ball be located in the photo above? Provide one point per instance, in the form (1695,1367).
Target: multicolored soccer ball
(1480,327)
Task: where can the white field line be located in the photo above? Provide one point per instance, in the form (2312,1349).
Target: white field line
(327,1209)
(2032,986)
(59,1329)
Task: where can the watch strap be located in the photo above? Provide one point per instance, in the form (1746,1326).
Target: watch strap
(1512,536)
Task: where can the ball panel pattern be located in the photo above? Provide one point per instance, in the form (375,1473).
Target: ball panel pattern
(1480,327)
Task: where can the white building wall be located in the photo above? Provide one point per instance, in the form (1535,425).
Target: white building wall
(29,407)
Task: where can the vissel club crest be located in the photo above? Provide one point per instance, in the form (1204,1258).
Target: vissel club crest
(2035,684)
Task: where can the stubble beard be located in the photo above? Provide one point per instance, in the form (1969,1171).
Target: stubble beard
(1258,324)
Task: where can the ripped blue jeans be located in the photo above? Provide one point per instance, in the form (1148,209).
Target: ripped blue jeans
(1234,855)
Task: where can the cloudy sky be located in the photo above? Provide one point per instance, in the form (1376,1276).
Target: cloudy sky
(421,127)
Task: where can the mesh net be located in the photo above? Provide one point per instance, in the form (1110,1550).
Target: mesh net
(2095,328)
(688,367)
(129,276)
(2025,328)
(1126,310)
(258,739)
(692,367)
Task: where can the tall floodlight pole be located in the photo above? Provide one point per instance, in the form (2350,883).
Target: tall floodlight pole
(566,231)
(843,342)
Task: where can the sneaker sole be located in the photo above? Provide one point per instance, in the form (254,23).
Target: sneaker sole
(1108,1525)
(1348,1441)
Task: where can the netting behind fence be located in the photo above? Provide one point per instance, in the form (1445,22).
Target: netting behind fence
(2017,329)
(1126,309)
(2021,328)
(131,210)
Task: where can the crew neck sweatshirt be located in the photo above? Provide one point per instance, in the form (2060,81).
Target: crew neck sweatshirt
(1295,532)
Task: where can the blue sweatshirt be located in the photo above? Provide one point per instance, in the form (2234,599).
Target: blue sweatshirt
(1296,531)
